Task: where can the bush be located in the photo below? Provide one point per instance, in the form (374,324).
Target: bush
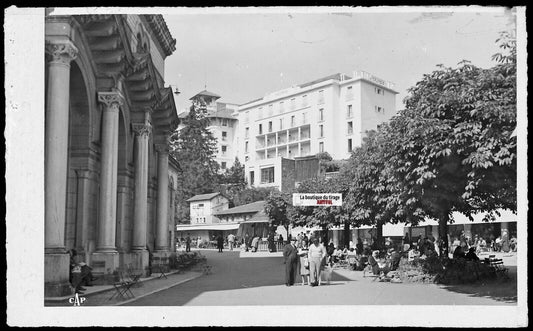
(443,271)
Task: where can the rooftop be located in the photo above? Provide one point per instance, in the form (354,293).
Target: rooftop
(207,196)
(222,113)
(244,209)
(206,93)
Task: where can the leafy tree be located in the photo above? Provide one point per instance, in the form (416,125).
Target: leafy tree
(454,151)
(232,182)
(278,207)
(194,147)
(372,195)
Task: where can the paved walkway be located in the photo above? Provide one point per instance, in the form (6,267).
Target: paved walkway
(259,281)
(246,278)
(100,295)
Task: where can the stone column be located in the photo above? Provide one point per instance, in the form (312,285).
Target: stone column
(83,210)
(161,243)
(142,133)
(140,216)
(55,168)
(171,224)
(105,259)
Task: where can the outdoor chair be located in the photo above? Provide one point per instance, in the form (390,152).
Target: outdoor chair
(158,266)
(122,287)
(134,276)
(352,262)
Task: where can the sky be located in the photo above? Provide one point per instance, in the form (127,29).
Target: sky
(244,55)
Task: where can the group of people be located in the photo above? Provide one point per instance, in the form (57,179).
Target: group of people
(306,260)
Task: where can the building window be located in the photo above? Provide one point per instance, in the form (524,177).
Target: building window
(224,122)
(349,111)
(321,147)
(281,107)
(293,120)
(224,150)
(252,178)
(260,113)
(224,135)
(379,109)
(349,93)
(304,118)
(350,127)
(247,133)
(246,147)
(379,91)
(293,103)
(270,110)
(281,123)
(304,100)
(350,145)
(223,165)
(270,126)
(246,158)
(260,128)
(321,130)
(267,175)
(321,114)
(247,117)
(320,97)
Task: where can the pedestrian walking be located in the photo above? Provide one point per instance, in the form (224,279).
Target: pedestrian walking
(290,253)
(188,243)
(231,241)
(271,245)
(317,254)
(220,243)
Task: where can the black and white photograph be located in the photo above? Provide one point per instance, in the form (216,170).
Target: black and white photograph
(266,166)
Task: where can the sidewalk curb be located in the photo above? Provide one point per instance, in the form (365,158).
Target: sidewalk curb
(158,290)
(100,291)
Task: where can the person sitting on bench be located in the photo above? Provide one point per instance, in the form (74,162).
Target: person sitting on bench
(80,273)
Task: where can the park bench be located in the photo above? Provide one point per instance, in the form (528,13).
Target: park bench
(184,261)
(498,266)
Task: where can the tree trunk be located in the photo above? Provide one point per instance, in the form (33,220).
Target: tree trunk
(346,233)
(379,234)
(443,234)
(324,235)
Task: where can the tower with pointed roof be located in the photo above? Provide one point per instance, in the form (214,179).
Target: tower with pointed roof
(223,125)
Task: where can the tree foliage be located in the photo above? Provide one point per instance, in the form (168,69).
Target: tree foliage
(194,147)
(278,207)
(450,150)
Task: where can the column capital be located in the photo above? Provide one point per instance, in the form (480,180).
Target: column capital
(141,129)
(112,100)
(162,148)
(61,52)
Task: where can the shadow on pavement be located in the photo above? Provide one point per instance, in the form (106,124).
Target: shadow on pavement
(499,290)
(229,272)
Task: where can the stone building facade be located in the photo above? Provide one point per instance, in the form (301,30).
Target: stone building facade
(108,117)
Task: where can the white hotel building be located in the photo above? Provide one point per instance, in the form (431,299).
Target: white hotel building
(330,114)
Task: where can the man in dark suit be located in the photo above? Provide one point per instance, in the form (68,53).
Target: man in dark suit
(290,253)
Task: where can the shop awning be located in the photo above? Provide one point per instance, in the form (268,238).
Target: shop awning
(220,227)
(393,230)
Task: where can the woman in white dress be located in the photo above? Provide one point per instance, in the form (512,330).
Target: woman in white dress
(304,262)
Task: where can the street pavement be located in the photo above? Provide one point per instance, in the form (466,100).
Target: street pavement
(259,280)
